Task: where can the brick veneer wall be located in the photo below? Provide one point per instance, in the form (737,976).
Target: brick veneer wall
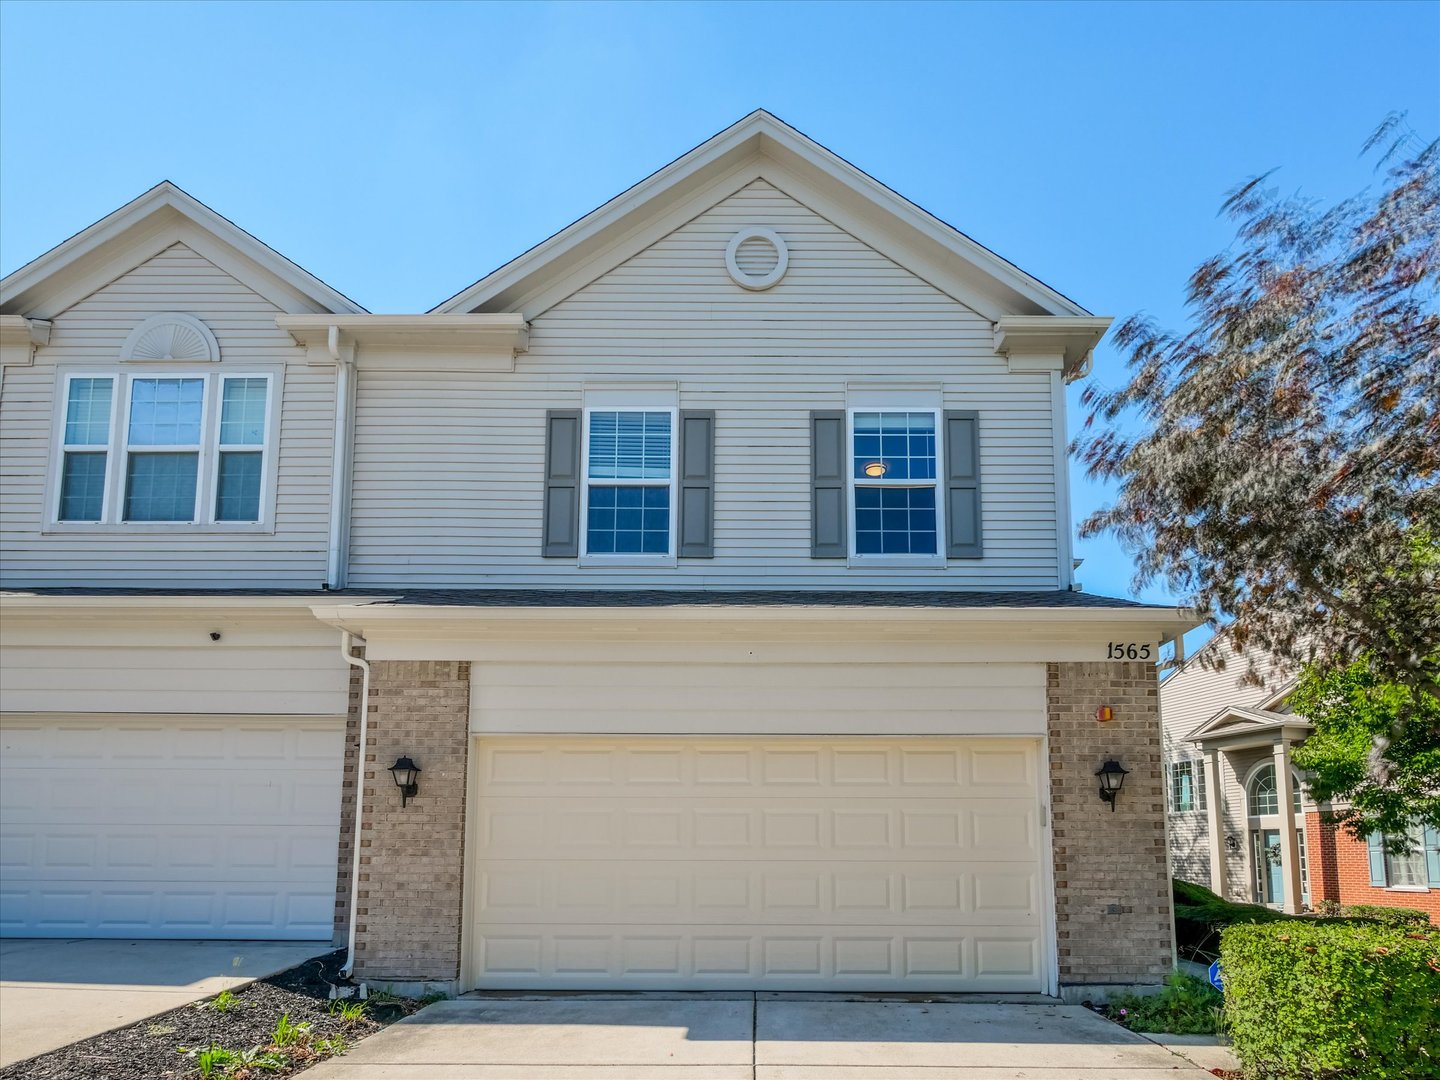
(1112,884)
(412,858)
(348,770)
(1345,869)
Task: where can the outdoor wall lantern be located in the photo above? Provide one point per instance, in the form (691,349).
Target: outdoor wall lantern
(1112,778)
(405,772)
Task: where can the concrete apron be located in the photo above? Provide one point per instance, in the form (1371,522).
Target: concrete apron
(741,1036)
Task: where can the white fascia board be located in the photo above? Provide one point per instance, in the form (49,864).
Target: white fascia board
(879,211)
(150,213)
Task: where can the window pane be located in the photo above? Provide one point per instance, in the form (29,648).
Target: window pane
(242,412)
(87,412)
(160,487)
(237,487)
(895,521)
(1263,797)
(82,487)
(630,445)
(1406,869)
(628,521)
(166,412)
(896,446)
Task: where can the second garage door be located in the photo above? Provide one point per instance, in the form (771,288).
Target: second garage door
(787,864)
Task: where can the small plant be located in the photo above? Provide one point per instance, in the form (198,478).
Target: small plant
(430,999)
(335,1044)
(221,1002)
(287,1033)
(160,1029)
(1186,1006)
(212,1060)
(349,1012)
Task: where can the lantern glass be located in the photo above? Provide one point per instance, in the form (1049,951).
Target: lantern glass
(1112,776)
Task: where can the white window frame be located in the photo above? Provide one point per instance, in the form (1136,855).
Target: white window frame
(938,483)
(65,447)
(603,558)
(1417,846)
(1197,786)
(117,453)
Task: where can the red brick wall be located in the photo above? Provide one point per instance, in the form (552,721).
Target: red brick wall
(1344,865)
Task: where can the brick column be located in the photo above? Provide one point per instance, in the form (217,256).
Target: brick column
(1112,884)
(412,858)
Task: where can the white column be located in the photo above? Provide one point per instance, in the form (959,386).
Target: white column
(1215,816)
(1289,837)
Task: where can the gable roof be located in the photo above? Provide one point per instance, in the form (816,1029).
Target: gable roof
(1239,720)
(762,145)
(163,216)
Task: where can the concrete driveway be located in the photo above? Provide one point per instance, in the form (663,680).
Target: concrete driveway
(55,992)
(753,1037)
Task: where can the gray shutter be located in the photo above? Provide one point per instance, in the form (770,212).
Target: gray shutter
(829,523)
(1375,843)
(1432,855)
(697,485)
(963,535)
(562,484)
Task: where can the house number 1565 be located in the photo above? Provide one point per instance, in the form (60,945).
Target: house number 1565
(1121,650)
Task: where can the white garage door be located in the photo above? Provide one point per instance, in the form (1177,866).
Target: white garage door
(799,864)
(172,828)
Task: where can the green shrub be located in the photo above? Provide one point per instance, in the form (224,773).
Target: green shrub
(1200,915)
(1407,917)
(1314,1000)
(1187,1006)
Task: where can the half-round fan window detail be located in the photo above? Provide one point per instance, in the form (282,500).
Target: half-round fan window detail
(171,336)
(1264,798)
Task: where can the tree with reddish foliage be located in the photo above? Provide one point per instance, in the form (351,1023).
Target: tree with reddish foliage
(1278,463)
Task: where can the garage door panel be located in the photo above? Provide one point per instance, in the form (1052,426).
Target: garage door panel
(170,827)
(646,893)
(673,863)
(777,957)
(788,828)
(668,767)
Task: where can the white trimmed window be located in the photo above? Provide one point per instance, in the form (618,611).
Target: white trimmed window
(148,448)
(629,498)
(1187,787)
(894,483)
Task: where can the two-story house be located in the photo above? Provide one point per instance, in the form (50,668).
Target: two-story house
(710,561)
(1242,821)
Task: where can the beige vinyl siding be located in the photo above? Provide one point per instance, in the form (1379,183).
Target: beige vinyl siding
(448,466)
(267,662)
(89,335)
(707,694)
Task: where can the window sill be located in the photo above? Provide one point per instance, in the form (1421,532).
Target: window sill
(906,562)
(1407,888)
(661,561)
(156,528)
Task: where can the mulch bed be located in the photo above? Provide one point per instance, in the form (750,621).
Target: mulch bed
(150,1049)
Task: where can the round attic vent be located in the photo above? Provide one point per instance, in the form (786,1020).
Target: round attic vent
(171,336)
(756,257)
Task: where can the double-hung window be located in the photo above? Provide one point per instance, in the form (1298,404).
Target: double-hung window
(148,448)
(85,447)
(629,493)
(894,483)
(1187,787)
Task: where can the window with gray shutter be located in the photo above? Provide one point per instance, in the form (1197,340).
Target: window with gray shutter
(829,525)
(562,484)
(963,534)
(697,485)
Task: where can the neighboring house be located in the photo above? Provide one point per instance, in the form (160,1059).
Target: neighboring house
(1228,775)
(711,560)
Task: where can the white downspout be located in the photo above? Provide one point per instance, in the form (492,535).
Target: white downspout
(346,640)
(339,472)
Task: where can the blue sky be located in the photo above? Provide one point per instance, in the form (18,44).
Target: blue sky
(400,151)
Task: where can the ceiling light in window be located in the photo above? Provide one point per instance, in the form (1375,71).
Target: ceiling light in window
(876,468)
